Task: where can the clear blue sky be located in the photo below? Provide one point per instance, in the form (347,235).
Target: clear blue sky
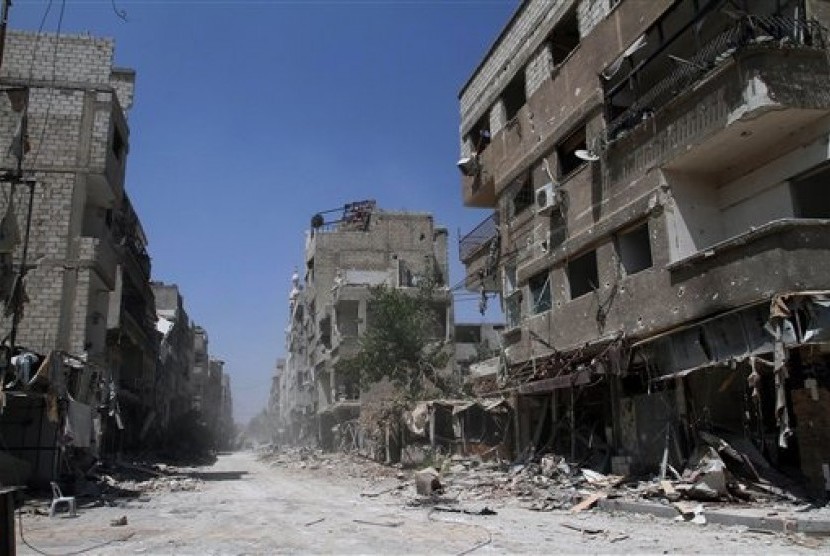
(251,116)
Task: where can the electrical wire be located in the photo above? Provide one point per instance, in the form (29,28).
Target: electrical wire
(73,553)
(122,14)
(54,79)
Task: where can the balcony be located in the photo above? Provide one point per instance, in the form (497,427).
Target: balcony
(479,252)
(108,159)
(100,255)
(724,106)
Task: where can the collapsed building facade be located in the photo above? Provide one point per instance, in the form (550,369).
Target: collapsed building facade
(656,176)
(79,372)
(330,309)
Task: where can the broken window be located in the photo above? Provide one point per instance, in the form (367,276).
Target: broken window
(512,297)
(566,151)
(540,298)
(479,135)
(514,95)
(634,249)
(523,197)
(809,193)
(582,274)
(564,38)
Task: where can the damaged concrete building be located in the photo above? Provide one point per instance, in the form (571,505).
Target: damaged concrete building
(656,174)
(330,309)
(74,267)
(80,376)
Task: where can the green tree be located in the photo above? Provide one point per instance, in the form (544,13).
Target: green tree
(400,343)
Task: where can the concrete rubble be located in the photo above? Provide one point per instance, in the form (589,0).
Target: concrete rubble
(550,483)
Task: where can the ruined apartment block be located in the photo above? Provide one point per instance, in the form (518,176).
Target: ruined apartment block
(330,309)
(85,295)
(657,175)
(79,139)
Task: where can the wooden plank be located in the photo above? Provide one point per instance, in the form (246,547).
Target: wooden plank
(589,502)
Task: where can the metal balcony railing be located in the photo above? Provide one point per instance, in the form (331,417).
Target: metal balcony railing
(481,235)
(773,32)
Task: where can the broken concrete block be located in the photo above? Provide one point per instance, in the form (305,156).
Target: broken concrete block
(426,481)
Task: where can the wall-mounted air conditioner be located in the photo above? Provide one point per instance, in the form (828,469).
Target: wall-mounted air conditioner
(547,199)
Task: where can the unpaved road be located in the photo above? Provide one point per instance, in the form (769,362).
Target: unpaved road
(248,507)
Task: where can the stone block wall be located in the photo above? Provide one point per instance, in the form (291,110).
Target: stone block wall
(72,112)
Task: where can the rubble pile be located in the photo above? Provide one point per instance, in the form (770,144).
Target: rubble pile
(551,483)
(130,479)
(343,464)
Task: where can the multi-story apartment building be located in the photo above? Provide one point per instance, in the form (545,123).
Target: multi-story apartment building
(74,268)
(659,231)
(330,307)
(173,393)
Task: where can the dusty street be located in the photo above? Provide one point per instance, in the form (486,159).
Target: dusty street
(246,506)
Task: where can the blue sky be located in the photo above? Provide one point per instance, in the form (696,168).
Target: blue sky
(251,116)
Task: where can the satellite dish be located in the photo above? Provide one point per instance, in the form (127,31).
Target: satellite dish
(584,154)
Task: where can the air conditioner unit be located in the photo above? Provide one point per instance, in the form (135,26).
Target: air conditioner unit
(547,199)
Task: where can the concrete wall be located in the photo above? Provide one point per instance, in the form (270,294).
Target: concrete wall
(714,164)
(72,114)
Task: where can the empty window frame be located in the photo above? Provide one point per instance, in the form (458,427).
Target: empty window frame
(325,332)
(809,194)
(566,152)
(512,297)
(514,95)
(564,37)
(583,276)
(479,135)
(523,197)
(540,298)
(634,249)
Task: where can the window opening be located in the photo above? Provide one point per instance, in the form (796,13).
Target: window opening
(325,332)
(809,194)
(568,161)
(479,135)
(564,38)
(634,249)
(582,274)
(467,334)
(514,96)
(512,297)
(523,197)
(539,286)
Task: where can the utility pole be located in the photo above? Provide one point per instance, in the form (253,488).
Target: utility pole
(4,22)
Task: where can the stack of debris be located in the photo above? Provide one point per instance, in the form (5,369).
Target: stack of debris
(716,473)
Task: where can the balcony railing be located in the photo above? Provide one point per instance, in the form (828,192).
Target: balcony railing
(756,31)
(480,236)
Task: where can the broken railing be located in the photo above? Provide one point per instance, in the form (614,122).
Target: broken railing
(772,32)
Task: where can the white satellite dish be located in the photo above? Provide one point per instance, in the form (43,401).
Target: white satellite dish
(584,154)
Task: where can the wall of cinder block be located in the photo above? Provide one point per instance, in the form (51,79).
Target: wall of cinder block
(72,100)
(521,48)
